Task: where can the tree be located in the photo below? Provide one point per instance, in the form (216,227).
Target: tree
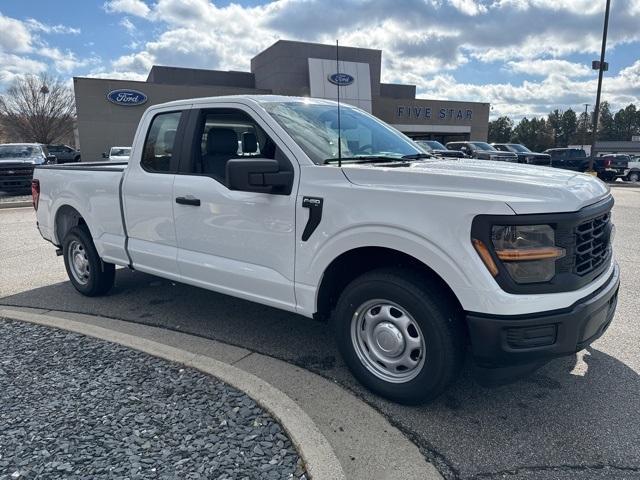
(500,130)
(583,132)
(554,122)
(569,127)
(38,108)
(625,123)
(606,127)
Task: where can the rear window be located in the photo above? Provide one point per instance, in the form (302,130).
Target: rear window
(159,145)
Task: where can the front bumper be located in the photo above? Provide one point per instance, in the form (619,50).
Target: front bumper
(521,341)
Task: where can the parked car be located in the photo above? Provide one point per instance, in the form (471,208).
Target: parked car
(633,170)
(612,166)
(17,161)
(64,153)
(437,149)
(118,154)
(575,159)
(524,154)
(483,151)
(413,259)
(607,167)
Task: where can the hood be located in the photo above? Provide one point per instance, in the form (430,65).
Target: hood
(21,160)
(525,188)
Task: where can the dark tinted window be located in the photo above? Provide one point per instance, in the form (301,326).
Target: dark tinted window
(160,142)
(227,133)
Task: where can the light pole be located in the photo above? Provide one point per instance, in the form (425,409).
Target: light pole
(601,66)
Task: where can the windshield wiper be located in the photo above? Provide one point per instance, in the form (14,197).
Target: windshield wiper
(366,159)
(417,156)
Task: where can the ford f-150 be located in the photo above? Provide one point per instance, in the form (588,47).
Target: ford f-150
(415,261)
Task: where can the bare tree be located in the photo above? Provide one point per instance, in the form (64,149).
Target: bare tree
(37,108)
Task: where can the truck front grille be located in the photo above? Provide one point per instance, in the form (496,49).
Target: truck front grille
(593,244)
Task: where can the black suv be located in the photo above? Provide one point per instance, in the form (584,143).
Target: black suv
(524,154)
(439,150)
(483,151)
(64,153)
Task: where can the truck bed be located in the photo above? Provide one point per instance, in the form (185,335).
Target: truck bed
(92,188)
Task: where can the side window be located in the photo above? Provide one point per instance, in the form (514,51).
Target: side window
(159,145)
(223,134)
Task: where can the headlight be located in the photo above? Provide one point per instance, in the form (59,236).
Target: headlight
(528,252)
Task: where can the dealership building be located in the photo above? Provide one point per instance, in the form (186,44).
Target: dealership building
(109,110)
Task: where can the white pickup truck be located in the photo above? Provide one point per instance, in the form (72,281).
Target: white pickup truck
(415,260)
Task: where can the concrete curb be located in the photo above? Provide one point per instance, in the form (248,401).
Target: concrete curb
(15,204)
(320,459)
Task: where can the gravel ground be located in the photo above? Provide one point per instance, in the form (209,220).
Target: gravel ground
(77,407)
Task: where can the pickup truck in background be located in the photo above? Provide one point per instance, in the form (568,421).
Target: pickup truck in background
(524,154)
(17,161)
(607,167)
(482,151)
(414,260)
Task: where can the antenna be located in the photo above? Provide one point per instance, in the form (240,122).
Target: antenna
(338,87)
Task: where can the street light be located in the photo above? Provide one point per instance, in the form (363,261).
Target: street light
(602,67)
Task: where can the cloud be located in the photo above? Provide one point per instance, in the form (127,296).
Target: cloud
(14,36)
(545,67)
(35,26)
(131,7)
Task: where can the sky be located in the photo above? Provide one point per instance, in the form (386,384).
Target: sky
(525,57)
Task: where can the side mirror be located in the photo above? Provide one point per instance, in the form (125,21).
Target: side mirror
(261,175)
(51,159)
(104,155)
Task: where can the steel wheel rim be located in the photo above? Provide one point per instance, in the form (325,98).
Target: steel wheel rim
(633,178)
(78,262)
(388,341)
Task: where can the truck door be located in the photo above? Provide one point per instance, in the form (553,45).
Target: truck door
(236,242)
(147,194)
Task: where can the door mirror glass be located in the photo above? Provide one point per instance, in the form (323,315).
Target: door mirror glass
(260,175)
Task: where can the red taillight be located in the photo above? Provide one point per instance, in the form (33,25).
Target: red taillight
(35,192)
(607,162)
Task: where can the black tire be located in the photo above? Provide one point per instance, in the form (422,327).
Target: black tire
(633,177)
(439,320)
(100,275)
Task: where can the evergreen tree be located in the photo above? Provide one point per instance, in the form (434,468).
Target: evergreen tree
(569,127)
(500,130)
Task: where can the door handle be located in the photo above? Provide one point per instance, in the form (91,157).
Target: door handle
(188,201)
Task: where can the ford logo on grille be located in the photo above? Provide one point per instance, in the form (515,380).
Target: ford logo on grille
(126,97)
(341,79)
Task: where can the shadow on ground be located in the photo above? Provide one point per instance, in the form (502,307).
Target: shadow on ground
(577,417)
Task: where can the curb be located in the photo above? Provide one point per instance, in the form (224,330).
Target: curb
(15,204)
(315,450)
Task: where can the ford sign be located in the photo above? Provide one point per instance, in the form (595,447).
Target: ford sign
(341,79)
(129,98)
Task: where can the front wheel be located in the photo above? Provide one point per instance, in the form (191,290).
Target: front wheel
(399,335)
(633,177)
(87,272)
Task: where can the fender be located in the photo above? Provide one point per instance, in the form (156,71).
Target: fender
(372,235)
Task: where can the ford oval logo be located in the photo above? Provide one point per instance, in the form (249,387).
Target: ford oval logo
(341,79)
(126,97)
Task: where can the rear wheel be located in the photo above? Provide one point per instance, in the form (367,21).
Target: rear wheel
(87,272)
(633,177)
(399,335)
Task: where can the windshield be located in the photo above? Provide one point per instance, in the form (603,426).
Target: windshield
(516,147)
(120,152)
(20,151)
(314,127)
(483,146)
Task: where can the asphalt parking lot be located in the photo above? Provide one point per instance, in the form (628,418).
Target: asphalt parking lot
(577,417)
